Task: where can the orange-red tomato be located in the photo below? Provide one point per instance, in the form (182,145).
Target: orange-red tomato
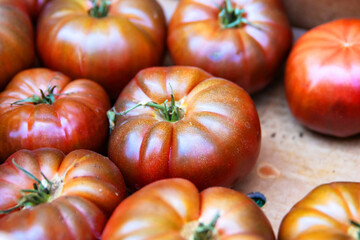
(248,53)
(174,208)
(17,50)
(214,142)
(110,48)
(74,119)
(322,79)
(86,188)
(330,211)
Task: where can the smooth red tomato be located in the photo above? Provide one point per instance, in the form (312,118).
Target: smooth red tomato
(330,211)
(85,188)
(17,50)
(75,118)
(110,47)
(242,41)
(174,209)
(322,78)
(213,141)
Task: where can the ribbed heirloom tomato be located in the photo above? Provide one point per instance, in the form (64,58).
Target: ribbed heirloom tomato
(322,78)
(42,108)
(35,7)
(69,197)
(106,41)
(17,50)
(329,212)
(244,41)
(174,209)
(207,131)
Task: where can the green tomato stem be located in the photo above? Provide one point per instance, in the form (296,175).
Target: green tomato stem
(170,113)
(206,232)
(100,10)
(47,97)
(230,17)
(258,198)
(32,197)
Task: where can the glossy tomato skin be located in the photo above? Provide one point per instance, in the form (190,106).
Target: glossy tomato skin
(325,213)
(322,80)
(109,50)
(246,55)
(215,143)
(77,119)
(17,50)
(166,208)
(86,189)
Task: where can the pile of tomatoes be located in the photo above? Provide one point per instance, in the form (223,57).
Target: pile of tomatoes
(88,116)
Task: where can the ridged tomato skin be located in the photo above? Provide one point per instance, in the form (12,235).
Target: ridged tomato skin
(77,119)
(86,189)
(35,7)
(248,55)
(108,50)
(322,80)
(324,213)
(17,50)
(166,208)
(216,143)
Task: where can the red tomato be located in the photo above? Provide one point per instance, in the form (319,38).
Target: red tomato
(110,48)
(322,79)
(16,40)
(74,119)
(330,211)
(85,189)
(173,209)
(35,7)
(245,44)
(214,141)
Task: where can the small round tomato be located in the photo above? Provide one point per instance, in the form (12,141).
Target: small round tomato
(47,195)
(330,211)
(193,126)
(106,41)
(174,209)
(242,41)
(322,79)
(42,108)
(17,50)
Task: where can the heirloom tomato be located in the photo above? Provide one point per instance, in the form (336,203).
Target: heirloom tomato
(322,78)
(42,108)
(17,50)
(244,41)
(192,125)
(310,13)
(47,195)
(35,7)
(106,41)
(329,212)
(174,209)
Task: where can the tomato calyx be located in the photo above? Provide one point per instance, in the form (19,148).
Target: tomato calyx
(101,9)
(258,198)
(32,197)
(354,229)
(47,97)
(170,112)
(230,17)
(206,232)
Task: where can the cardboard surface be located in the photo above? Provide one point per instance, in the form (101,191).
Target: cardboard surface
(293,160)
